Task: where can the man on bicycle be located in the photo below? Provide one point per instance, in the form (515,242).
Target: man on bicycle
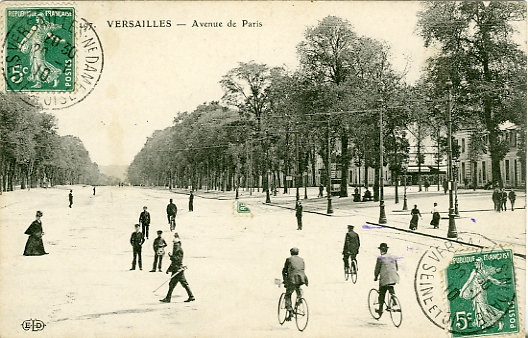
(351,247)
(387,271)
(172,210)
(293,276)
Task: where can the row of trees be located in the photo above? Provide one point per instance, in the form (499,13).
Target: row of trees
(32,153)
(273,121)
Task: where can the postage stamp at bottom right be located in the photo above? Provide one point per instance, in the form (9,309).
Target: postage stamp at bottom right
(482,299)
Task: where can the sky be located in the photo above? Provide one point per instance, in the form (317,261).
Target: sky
(152,74)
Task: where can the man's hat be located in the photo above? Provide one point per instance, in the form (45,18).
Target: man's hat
(350,226)
(159,232)
(145,207)
(294,251)
(39,213)
(383,246)
(136,225)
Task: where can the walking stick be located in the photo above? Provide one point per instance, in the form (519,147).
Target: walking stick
(174,275)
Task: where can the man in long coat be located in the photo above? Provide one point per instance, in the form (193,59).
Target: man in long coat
(351,246)
(293,276)
(386,271)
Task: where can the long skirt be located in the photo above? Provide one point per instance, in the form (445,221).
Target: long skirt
(436,219)
(34,246)
(414,222)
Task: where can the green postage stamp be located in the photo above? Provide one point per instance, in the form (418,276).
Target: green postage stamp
(482,299)
(40,49)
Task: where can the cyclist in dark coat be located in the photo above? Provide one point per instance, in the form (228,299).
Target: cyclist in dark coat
(293,276)
(351,246)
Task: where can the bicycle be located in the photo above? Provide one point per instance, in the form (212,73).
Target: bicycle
(300,312)
(392,305)
(172,223)
(351,271)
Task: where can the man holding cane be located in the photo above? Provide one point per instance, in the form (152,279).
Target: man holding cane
(178,275)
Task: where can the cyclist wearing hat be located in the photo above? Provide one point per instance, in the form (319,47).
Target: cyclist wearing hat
(293,276)
(387,271)
(351,247)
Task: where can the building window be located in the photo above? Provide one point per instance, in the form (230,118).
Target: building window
(463,145)
(507,169)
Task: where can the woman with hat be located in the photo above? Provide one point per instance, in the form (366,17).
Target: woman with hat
(386,271)
(34,244)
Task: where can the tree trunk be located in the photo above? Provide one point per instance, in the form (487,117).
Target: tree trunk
(345,161)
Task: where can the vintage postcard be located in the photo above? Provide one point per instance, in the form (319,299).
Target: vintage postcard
(263,169)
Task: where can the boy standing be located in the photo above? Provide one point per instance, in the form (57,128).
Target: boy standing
(159,250)
(144,220)
(136,240)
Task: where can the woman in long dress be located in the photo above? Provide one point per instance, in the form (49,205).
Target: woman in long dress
(33,43)
(414,219)
(34,244)
(486,315)
(436,216)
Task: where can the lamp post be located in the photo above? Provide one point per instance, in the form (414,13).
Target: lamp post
(456,188)
(382,216)
(305,179)
(452,230)
(405,186)
(329,209)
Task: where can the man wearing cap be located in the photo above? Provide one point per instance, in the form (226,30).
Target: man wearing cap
(144,220)
(387,271)
(172,210)
(351,247)
(178,275)
(136,240)
(159,250)
(298,214)
(293,276)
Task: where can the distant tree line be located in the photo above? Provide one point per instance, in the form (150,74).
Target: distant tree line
(33,154)
(272,121)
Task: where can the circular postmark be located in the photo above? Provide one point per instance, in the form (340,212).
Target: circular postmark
(51,56)
(468,289)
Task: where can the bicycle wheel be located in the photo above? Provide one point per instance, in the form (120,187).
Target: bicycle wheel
(395,310)
(281,310)
(373,303)
(301,314)
(353,272)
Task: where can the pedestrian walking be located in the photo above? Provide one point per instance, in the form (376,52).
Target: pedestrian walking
(386,271)
(175,240)
(94,191)
(172,210)
(435,221)
(427,184)
(178,275)
(512,198)
(496,197)
(414,218)
(136,240)
(70,198)
(504,199)
(191,201)
(321,189)
(293,276)
(445,186)
(351,246)
(144,220)
(159,250)
(298,214)
(34,244)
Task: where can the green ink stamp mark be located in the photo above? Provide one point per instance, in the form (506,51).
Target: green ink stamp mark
(40,49)
(241,208)
(482,299)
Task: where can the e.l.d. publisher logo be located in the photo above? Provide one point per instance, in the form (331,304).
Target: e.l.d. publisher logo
(33,325)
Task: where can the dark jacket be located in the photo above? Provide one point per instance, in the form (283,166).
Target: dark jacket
(144,218)
(35,229)
(172,209)
(176,260)
(351,243)
(137,239)
(159,242)
(70,197)
(298,210)
(512,196)
(293,271)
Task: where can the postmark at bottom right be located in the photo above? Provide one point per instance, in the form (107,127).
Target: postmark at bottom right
(481,294)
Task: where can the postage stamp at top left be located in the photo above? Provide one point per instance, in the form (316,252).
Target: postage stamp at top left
(40,49)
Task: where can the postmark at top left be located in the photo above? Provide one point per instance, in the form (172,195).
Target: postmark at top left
(40,49)
(51,54)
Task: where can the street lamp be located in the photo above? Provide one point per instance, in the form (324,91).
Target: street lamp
(405,164)
(329,209)
(452,230)
(456,187)
(382,216)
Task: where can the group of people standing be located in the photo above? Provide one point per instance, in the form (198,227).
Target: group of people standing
(500,197)
(137,239)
